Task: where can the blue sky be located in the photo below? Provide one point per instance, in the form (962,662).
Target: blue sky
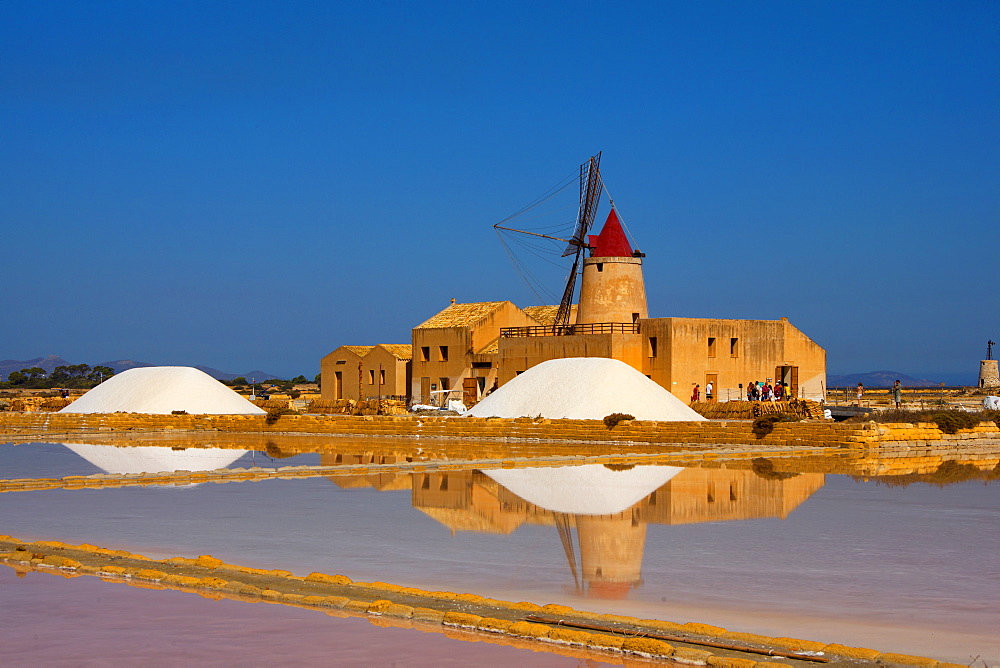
(249,185)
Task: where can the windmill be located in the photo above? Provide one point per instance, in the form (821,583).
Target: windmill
(591,189)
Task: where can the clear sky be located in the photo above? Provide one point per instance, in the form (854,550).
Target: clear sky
(249,185)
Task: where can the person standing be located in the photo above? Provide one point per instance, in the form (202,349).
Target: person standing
(861,393)
(779,392)
(897,394)
(695,393)
(708,391)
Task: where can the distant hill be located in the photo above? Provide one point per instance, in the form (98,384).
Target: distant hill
(877,379)
(48,363)
(52,361)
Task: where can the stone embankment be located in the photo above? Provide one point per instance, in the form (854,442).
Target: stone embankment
(691,643)
(819,433)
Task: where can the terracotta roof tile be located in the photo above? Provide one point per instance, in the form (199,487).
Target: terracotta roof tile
(360,351)
(491,348)
(544,315)
(403,351)
(461,315)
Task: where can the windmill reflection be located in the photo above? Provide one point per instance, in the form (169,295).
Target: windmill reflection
(609,506)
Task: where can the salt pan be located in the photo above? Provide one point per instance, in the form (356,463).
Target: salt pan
(163,390)
(583,388)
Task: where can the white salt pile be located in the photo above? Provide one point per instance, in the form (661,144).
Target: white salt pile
(591,489)
(583,388)
(123,460)
(162,390)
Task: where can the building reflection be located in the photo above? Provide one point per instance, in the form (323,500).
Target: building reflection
(600,513)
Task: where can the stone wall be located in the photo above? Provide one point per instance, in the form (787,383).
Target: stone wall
(790,434)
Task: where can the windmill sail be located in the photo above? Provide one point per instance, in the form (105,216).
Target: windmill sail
(591,187)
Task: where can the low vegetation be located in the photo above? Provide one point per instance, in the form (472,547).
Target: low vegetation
(764,425)
(611,421)
(73,376)
(948,421)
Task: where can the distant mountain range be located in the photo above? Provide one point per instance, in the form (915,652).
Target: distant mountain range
(877,379)
(52,361)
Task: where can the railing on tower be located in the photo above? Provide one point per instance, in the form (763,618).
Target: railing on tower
(569,330)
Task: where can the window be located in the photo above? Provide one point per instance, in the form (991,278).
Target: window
(652,346)
(734,347)
(371,376)
(482,365)
(445,384)
(341,362)
(600,266)
(381,376)
(443,353)
(711,346)
(425,353)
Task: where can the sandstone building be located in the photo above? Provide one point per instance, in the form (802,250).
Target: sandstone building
(466,349)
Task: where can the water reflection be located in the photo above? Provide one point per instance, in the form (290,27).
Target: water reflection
(608,506)
(134,460)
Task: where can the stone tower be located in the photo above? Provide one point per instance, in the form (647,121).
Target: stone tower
(989,374)
(611,549)
(612,288)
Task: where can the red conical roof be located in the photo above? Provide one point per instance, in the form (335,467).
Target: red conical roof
(611,242)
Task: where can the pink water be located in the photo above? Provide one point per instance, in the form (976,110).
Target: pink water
(52,621)
(913,570)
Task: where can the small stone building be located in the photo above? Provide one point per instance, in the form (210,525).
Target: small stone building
(455,351)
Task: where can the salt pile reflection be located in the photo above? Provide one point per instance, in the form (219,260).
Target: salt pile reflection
(130,460)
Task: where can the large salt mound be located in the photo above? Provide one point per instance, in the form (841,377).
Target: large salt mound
(583,388)
(162,390)
(591,489)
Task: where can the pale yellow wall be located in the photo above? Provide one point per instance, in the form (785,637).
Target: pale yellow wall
(811,360)
(458,341)
(346,362)
(397,381)
(519,354)
(683,357)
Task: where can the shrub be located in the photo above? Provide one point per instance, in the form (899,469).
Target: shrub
(276,412)
(951,421)
(947,421)
(764,425)
(611,421)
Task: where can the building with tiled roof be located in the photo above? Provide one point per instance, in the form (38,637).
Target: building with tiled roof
(449,350)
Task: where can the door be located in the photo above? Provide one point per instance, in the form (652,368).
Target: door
(338,385)
(425,390)
(790,376)
(712,380)
(470,391)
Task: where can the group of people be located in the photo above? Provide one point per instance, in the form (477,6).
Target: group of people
(758,391)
